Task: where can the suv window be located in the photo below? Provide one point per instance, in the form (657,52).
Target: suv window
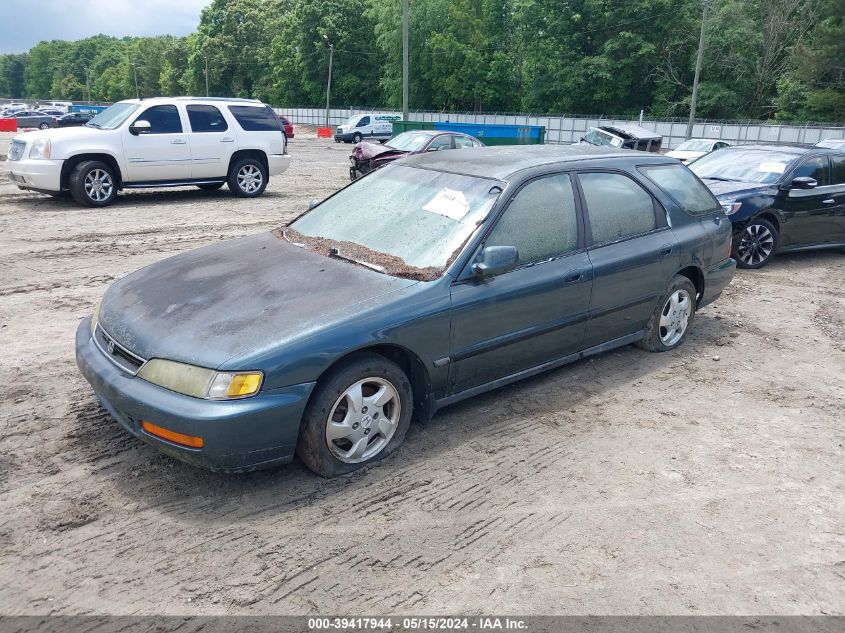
(838,163)
(256,119)
(687,190)
(206,118)
(617,206)
(164,119)
(816,168)
(540,221)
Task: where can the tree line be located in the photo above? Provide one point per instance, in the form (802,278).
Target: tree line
(764,59)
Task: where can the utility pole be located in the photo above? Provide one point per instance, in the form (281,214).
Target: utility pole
(697,69)
(135,72)
(405,114)
(329,83)
(88,83)
(206,74)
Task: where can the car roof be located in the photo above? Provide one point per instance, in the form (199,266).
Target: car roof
(789,149)
(502,162)
(632,131)
(197,99)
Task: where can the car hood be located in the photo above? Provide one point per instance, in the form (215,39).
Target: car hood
(63,137)
(726,188)
(366,151)
(241,296)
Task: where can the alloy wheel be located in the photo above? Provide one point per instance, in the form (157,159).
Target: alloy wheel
(249,178)
(675,317)
(363,420)
(98,185)
(756,246)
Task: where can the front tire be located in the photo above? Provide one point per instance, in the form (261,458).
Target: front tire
(247,178)
(93,184)
(356,138)
(672,317)
(358,414)
(758,245)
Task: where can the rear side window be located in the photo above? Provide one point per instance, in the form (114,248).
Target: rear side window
(462,142)
(683,187)
(164,119)
(838,164)
(816,168)
(617,206)
(256,119)
(206,118)
(540,221)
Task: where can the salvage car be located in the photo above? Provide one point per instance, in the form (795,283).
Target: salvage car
(287,126)
(778,198)
(74,118)
(427,282)
(624,136)
(367,157)
(33,118)
(832,143)
(161,142)
(695,148)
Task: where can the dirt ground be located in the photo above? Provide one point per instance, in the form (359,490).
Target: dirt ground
(707,480)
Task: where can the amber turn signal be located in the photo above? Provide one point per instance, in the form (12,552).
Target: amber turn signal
(172,436)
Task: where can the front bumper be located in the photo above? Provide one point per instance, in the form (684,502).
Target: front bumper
(716,279)
(343,136)
(42,175)
(238,435)
(278,163)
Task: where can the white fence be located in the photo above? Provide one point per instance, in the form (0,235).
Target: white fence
(570,129)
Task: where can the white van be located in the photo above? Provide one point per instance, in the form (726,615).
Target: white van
(373,126)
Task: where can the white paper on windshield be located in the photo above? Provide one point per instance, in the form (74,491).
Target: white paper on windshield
(773,168)
(449,202)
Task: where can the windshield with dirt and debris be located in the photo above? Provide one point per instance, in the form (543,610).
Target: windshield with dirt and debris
(418,217)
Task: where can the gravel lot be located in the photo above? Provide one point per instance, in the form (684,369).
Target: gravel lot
(706,480)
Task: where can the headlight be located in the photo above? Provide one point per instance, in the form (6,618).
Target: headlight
(200,382)
(40,149)
(730,206)
(95,315)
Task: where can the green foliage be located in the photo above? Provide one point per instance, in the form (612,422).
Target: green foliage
(764,58)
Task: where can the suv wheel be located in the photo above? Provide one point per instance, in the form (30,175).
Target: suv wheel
(358,414)
(672,317)
(356,138)
(758,245)
(247,178)
(93,184)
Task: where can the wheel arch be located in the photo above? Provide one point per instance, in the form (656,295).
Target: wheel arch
(696,276)
(770,216)
(70,163)
(408,361)
(258,154)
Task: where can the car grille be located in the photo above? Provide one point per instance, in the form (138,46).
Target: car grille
(116,353)
(16,150)
(339,131)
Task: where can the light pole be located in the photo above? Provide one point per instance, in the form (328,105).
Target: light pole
(329,81)
(698,59)
(405,114)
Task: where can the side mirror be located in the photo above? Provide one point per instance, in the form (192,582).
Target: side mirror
(313,203)
(496,260)
(803,182)
(140,127)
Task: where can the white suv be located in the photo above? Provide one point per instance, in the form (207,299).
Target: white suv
(207,142)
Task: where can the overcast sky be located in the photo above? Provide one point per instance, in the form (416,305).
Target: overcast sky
(27,22)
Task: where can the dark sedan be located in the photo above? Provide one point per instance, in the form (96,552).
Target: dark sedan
(367,157)
(74,118)
(778,198)
(425,283)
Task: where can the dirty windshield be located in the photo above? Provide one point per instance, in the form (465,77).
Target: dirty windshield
(418,215)
(744,165)
(409,141)
(600,137)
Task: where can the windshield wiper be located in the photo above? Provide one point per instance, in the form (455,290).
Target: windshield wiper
(96,125)
(333,252)
(719,178)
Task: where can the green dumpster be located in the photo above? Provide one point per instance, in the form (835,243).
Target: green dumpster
(404,126)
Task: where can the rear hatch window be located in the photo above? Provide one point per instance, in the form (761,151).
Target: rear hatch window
(256,118)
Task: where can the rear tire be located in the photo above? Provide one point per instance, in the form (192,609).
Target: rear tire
(358,414)
(93,183)
(672,317)
(211,186)
(44,126)
(758,244)
(247,178)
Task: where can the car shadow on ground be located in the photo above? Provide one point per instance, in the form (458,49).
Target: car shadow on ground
(139,197)
(148,477)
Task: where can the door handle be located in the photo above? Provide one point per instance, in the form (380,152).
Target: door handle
(717,221)
(666,250)
(227,139)
(828,201)
(178,141)
(572,276)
